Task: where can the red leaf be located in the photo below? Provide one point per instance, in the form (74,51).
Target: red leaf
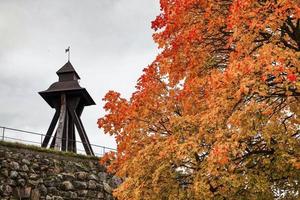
(292,77)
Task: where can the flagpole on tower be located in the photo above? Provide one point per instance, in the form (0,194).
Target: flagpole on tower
(68,51)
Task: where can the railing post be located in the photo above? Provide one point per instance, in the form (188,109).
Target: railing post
(103,150)
(3,133)
(41,140)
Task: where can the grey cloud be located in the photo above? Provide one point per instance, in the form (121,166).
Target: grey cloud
(111,42)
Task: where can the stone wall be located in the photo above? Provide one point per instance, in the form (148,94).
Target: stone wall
(34,173)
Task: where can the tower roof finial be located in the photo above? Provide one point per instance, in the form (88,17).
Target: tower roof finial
(68,51)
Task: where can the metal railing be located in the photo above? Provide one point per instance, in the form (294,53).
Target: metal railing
(7,134)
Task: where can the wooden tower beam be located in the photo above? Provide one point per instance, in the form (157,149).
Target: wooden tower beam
(50,129)
(61,123)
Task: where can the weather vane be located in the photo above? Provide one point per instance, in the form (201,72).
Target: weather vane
(68,51)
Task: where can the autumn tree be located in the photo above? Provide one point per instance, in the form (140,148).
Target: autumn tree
(216,115)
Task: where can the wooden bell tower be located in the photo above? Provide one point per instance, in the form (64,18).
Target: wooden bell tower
(68,98)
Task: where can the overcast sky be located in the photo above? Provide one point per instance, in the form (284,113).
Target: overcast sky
(111,42)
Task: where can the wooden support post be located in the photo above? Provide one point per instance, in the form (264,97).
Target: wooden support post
(71,135)
(50,129)
(65,133)
(72,109)
(61,123)
(82,134)
(74,141)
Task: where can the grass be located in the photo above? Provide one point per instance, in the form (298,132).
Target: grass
(44,150)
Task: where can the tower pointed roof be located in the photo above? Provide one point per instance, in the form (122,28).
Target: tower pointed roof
(67,68)
(68,84)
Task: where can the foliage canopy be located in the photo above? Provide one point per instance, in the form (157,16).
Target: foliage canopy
(216,115)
